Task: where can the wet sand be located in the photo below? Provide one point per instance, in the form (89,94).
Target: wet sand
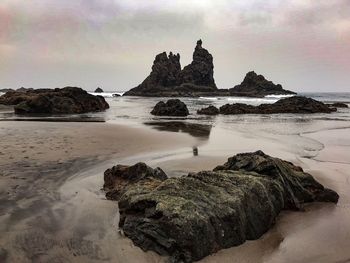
(52,208)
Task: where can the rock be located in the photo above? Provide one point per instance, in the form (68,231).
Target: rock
(338,105)
(255,85)
(211,110)
(99,90)
(295,104)
(201,70)
(193,216)
(119,178)
(115,95)
(168,80)
(67,100)
(173,107)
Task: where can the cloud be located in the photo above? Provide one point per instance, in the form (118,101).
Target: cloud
(119,34)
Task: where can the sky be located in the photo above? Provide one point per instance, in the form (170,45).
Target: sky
(302,44)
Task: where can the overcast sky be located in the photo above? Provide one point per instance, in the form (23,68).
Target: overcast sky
(302,44)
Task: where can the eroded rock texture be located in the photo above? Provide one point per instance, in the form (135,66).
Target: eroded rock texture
(192,216)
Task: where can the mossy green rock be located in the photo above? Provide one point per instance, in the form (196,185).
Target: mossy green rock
(193,216)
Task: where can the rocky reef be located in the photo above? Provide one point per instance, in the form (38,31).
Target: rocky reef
(168,80)
(173,107)
(195,215)
(67,100)
(255,85)
(296,104)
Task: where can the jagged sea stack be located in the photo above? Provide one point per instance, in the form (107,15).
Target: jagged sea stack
(167,78)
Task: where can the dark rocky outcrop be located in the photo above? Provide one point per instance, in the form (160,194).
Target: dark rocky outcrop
(210,110)
(255,85)
(173,107)
(99,90)
(295,104)
(67,100)
(338,105)
(190,217)
(168,80)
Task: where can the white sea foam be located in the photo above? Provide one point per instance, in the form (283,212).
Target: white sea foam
(106,94)
(279,96)
(208,98)
(254,101)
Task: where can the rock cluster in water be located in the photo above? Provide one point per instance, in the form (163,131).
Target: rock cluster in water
(295,104)
(173,107)
(67,100)
(193,216)
(255,85)
(168,79)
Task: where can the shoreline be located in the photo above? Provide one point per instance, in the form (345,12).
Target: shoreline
(71,227)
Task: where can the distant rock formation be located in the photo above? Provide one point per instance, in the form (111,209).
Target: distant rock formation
(295,104)
(167,78)
(255,85)
(173,107)
(67,100)
(99,90)
(190,217)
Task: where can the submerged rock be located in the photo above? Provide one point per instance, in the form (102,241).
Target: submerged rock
(173,107)
(295,104)
(168,80)
(67,100)
(193,216)
(210,110)
(99,90)
(255,85)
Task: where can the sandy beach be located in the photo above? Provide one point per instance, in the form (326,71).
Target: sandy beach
(53,208)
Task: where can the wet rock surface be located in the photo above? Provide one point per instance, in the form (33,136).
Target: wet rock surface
(194,129)
(193,216)
(255,85)
(210,110)
(67,100)
(296,104)
(168,79)
(173,107)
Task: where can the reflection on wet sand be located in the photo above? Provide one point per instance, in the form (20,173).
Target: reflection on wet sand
(194,129)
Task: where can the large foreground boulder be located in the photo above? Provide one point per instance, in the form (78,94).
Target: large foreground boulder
(190,217)
(255,85)
(173,107)
(167,79)
(67,100)
(295,104)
